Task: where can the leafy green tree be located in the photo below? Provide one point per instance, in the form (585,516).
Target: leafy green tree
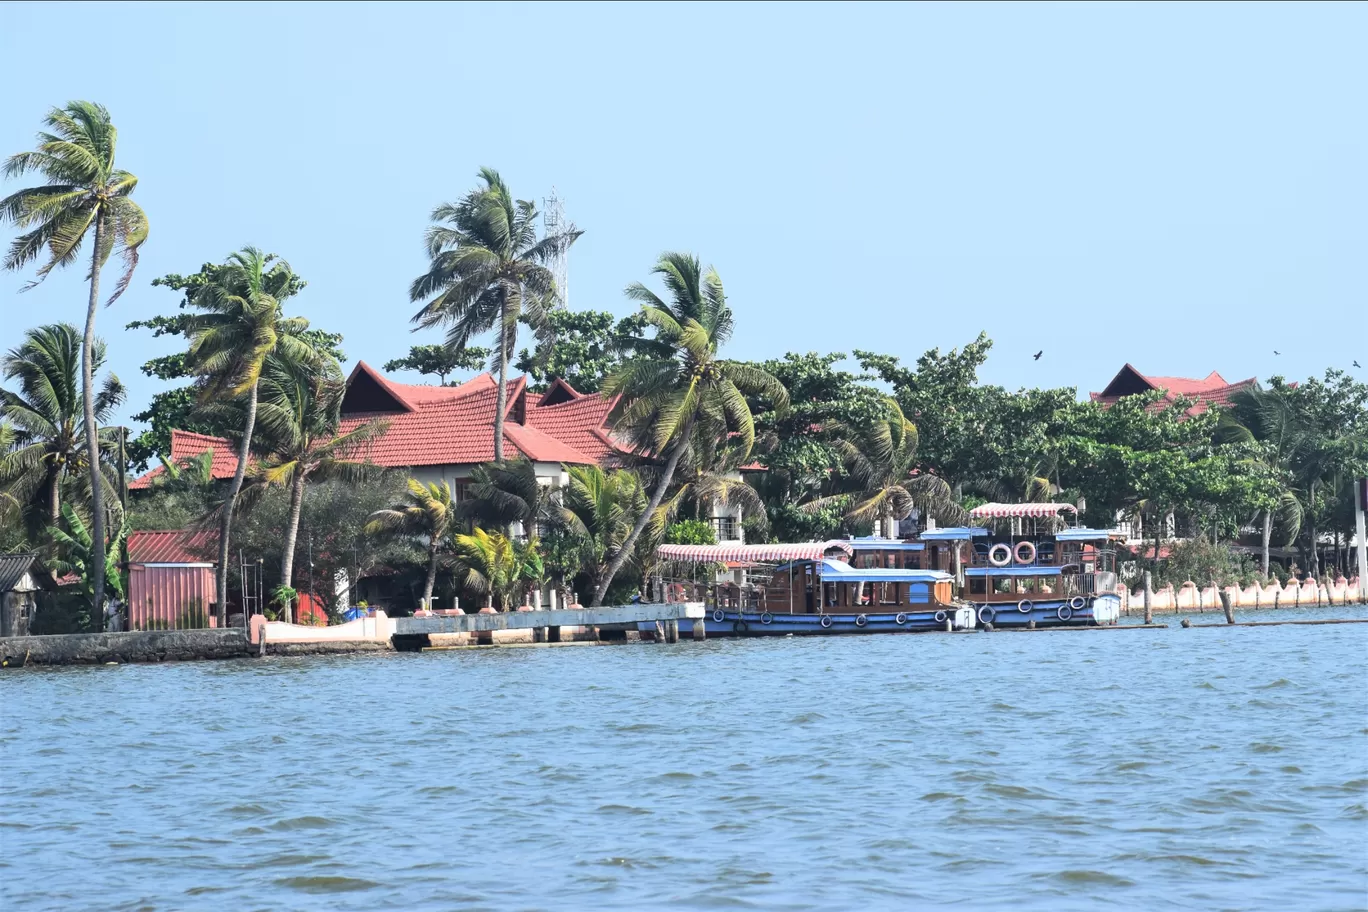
(299,414)
(487,273)
(504,493)
(680,387)
(426,511)
(440,360)
(238,324)
(83,194)
(77,554)
(590,346)
(599,510)
(690,532)
(494,565)
(48,433)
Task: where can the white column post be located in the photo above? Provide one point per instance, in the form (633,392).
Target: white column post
(1360,499)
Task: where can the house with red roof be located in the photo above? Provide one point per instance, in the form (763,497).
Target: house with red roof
(1211,390)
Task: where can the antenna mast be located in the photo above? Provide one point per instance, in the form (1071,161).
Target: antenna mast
(557,225)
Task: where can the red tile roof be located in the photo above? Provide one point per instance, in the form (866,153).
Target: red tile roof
(186,446)
(1211,390)
(176,546)
(581,423)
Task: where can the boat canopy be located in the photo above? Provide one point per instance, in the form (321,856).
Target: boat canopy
(715,554)
(834,571)
(878,543)
(954,533)
(1083,534)
(1037,510)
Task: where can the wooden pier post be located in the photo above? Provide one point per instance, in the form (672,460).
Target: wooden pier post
(1149,599)
(1225,603)
(672,631)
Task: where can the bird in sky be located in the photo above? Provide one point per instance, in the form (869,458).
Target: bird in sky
(1037,355)
(1276,352)
(1356,364)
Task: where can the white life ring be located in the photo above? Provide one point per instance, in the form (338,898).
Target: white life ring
(1030,552)
(719,615)
(1005,552)
(1078,603)
(766,618)
(1064,613)
(861,621)
(1025,606)
(941,617)
(986,614)
(825,621)
(900,619)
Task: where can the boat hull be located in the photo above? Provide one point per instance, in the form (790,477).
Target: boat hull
(1095,611)
(751,624)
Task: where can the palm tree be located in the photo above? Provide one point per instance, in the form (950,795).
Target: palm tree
(494,564)
(299,412)
(78,553)
(426,510)
(487,273)
(680,387)
(879,459)
(239,326)
(504,493)
(84,193)
(599,508)
(49,430)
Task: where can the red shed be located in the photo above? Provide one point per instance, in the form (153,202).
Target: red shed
(170,584)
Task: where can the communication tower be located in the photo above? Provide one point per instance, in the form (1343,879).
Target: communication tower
(557,225)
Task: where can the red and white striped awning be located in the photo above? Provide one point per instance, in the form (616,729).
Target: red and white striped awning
(710,554)
(1037,510)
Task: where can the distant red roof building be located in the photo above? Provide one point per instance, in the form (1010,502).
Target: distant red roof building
(186,446)
(1211,390)
(448,425)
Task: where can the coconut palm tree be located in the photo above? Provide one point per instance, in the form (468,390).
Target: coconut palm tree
(49,436)
(504,493)
(84,194)
(427,510)
(486,273)
(298,415)
(77,554)
(679,386)
(492,563)
(880,458)
(238,325)
(599,508)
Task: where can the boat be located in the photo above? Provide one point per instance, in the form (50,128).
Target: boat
(842,586)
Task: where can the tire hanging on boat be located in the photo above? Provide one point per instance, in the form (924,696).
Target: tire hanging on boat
(719,615)
(1064,613)
(941,616)
(1025,606)
(987,615)
(861,621)
(766,618)
(825,621)
(1031,552)
(900,619)
(1078,603)
(1006,555)
(740,626)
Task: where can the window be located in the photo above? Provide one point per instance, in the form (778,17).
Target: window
(1025,585)
(888,592)
(1047,585)
(976,585)
(1002,585)
(912,560)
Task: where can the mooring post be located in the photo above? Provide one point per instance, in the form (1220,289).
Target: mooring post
(700,631)
(1149,599)
(672,631)
(1225,603)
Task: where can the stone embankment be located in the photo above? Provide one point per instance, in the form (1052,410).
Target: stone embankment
(144,646)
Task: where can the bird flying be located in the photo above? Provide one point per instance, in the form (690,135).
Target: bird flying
(1356,364)
(1037,355)
(1276,352)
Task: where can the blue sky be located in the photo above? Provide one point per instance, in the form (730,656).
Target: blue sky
(1181,187)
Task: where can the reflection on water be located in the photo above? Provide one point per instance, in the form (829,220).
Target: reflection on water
(1063,770)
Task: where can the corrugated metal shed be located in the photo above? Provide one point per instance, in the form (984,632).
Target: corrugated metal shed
(175,546)
(14,566)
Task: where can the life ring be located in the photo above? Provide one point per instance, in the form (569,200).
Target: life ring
(1025,606)
(825,621)
(766,618)
(1064,613)
(719,615)
(987,615)
(1030,552)
(900,619)
(740,626)
(1005,552)
(1078,603)
(861,621)
(941,617)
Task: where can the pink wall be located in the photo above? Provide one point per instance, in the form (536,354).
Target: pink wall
(169,597)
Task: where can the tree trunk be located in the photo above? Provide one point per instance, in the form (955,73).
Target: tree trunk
(229,504)
(54,496)
(666,476)
(291,536)
(1267,536)
(97,518)
(431,574)
(1313,564)
(502,398)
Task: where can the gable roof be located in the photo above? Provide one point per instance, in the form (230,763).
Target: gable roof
(186,445)
(173,546)
(1211,390)
(14,566)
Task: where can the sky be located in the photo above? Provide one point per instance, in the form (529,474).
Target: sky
(1181,187)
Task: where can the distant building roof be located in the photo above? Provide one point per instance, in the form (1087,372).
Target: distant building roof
(14,566)
(1211,390)
(185,446)
(173,546)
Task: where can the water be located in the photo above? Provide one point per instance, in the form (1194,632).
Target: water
(1172,769)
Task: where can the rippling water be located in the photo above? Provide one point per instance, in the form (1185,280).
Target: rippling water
(1057,770)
